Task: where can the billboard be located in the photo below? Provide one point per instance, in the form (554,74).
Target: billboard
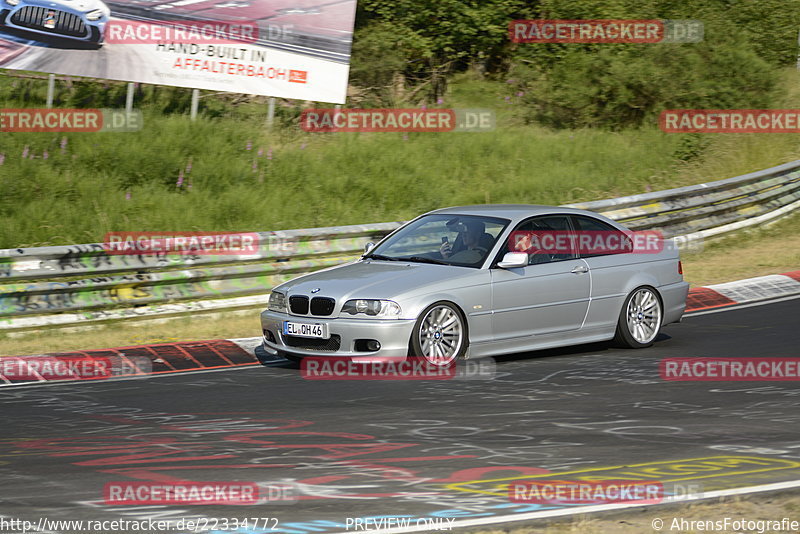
(286,48)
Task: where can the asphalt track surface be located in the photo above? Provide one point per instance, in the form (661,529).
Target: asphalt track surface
(421,449)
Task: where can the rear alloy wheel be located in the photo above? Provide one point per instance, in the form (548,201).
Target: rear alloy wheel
(440,335)
(640,319)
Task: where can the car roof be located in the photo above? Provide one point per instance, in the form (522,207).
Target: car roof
(514,212)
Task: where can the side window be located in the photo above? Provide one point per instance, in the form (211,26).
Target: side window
(598,238)
(545,239)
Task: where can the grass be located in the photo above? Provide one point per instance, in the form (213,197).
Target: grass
(73,188)
(135,332)
(128,181)
(769,250)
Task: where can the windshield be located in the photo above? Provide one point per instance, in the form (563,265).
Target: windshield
(463,240)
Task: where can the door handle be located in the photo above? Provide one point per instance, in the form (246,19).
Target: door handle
(580,269)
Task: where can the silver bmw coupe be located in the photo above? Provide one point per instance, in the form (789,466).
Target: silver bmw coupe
(476,281)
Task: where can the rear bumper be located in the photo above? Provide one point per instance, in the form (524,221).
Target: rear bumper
(393,335)
(674,297)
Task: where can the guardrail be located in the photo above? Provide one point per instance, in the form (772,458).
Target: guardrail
(67,285)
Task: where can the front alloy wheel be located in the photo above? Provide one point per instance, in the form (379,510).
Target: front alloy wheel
(440,335)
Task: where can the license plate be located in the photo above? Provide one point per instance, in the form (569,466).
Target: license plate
(305,330)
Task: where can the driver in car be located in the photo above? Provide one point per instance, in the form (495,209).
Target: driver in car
(470,246)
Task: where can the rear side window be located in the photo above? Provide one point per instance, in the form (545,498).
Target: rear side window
(588,224)
(598,238)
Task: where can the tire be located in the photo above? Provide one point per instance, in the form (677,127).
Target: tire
(640,319)
(440,334)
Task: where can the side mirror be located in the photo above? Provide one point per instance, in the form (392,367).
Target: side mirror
(369,246)
(514,260)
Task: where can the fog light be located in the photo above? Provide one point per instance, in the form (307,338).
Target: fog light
(366,345)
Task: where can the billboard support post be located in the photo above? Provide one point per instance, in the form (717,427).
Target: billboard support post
(51,90)
(337,112)
(195,102)
(798,54)
(270,112)
(129,99)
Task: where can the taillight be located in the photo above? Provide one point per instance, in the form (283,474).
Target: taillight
(680,267)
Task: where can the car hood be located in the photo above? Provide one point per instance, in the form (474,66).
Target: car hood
(374,279)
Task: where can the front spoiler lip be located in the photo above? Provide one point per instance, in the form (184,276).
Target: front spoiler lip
(363,356)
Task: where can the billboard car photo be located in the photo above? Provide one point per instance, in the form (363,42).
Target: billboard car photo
(82,20)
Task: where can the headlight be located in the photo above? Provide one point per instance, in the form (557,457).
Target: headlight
(91,15)
(13,2)
(373,308)
(277,302)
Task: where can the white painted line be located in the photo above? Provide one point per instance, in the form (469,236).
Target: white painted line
(561,512)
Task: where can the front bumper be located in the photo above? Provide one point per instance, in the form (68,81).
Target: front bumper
(393,335)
